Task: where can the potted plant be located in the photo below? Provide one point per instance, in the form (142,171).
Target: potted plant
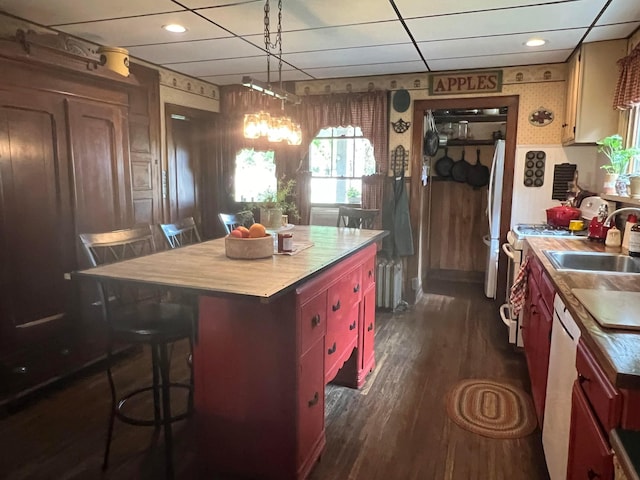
(353,195)
(619,157)
(275,203)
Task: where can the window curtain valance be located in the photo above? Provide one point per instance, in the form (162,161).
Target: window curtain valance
(367,110)
(628,88)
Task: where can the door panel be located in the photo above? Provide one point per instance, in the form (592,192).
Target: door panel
(183,168)
(102,183)
(34,210)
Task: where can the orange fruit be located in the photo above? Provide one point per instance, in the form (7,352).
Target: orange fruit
(257,230)
(236,233)
(244,230)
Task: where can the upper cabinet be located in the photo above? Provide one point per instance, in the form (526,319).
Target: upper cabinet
(591,82)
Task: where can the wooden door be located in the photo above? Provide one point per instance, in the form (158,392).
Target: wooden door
(183,169)
(102,171)
(35,212)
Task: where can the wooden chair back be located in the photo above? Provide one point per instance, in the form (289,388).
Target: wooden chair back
(184,232)
(356,217)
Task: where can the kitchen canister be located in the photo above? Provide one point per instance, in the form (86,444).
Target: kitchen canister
(115,59)
(632,219)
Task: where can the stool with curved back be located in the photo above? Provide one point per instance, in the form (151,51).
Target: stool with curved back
(356,217)
(183,232)
(138,316)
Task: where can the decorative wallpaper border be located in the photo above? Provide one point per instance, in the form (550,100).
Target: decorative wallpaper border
(172,79)
(420,81)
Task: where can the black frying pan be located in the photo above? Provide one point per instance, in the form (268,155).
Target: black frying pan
(460,169)
(478,175)
(444,164)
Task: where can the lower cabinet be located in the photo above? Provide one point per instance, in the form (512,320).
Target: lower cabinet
(536,333)
(590,456)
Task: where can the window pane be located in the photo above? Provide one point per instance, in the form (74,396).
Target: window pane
(255,174)
(335,190)
(320,157)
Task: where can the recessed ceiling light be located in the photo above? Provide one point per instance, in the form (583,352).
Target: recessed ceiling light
(535,42)
(174,28)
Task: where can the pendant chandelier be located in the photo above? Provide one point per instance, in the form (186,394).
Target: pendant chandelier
(276,128)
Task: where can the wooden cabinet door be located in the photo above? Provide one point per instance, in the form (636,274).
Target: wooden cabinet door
(310,403)
(102,172)
(543,347)
(590,455)
(35,212)
(368,329)
(573,72)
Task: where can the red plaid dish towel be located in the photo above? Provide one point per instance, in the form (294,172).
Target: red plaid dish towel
(519,288)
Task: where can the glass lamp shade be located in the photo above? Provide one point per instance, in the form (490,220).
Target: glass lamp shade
(279,129)
(251,125)
(295,134)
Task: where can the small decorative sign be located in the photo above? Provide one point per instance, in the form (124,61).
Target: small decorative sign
(400,126)
(541,117)
(468,82)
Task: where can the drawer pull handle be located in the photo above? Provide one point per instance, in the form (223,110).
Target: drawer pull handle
(336,307)
(370,327)
(591,474)
(356,289)
(315,320)
(582,379)
(332,349)
(370,273)
(352,326)
(314,400)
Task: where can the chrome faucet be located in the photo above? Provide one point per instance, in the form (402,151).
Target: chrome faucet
(607,222)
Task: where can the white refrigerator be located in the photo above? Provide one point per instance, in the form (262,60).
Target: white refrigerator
(494,203)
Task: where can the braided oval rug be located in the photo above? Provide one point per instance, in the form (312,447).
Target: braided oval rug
(492,409)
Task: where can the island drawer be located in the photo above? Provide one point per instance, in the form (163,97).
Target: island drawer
(313,321)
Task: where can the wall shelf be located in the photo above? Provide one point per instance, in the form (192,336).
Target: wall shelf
(619,199)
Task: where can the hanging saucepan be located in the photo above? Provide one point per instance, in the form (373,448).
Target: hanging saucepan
(460,169)
(431,138)
(443,165)
(478,175)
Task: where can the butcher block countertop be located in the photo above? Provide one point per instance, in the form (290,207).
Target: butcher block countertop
(617,350)
(204,268)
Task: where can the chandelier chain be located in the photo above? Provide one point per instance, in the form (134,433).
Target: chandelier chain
(268,44)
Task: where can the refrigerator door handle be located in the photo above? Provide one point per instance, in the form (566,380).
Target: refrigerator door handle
(486,239)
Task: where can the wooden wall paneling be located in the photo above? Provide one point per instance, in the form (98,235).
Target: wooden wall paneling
(102,172)
(183,172)
(144,133)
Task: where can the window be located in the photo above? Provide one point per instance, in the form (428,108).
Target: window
(338,158)
(255,174)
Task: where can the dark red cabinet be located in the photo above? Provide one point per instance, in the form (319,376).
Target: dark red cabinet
(536,333)
(590,455)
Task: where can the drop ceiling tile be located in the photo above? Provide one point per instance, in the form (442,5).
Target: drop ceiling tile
(127,32)
(384,33)
(197,50)
(354,56)
(247,19)
(495,61)
(234,79)
(411,8)
(620,11)
(364,70)
(611,32)
(56,12)
(483,46)
(226,66)
(525,19)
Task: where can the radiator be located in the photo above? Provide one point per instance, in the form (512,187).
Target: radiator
(388,283)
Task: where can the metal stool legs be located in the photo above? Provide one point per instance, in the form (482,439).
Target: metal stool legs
(161,390)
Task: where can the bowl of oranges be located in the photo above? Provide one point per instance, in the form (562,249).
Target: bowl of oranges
(249,243)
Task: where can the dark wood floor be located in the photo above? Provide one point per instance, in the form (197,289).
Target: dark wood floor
(396,427)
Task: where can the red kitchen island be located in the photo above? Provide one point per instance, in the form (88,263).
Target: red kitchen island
(271,333)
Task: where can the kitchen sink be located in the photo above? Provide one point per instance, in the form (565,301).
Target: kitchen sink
(593,261)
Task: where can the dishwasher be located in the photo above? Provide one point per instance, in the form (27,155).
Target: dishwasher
(562,373)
